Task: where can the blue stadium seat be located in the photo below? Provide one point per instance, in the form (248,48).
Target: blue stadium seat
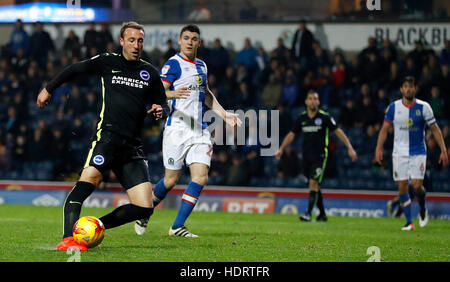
(330,183)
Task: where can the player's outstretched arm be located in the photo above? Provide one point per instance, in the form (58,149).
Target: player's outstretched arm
(286,141)
(212,103)
(343,137)
(382,135)
(64,76)
(437,134)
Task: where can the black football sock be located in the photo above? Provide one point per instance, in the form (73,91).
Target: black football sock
(320,203)
(124,214)
(420,195)
(73,203)
(313,197)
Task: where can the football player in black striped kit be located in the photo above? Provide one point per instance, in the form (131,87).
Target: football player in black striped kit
(316,125)
(129,85)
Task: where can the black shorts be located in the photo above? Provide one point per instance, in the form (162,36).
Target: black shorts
(124,156)
(314,166)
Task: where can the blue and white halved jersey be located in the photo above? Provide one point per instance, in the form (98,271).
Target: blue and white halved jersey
(180,72)
(409,126)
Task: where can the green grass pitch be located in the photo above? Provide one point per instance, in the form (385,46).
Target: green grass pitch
(30,233)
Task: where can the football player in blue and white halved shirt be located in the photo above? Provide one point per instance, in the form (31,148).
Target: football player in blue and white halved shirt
(186,136)
(409,117)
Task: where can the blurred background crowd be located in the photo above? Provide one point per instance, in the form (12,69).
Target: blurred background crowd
(51,144)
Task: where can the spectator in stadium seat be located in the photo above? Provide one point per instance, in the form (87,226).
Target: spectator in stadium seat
(262,60)
(369,113)
(40,45)
(392,79)
(20,153)
(433,65)
(370,49)
(350,116)
(247,56)
(291,89)
(33,81)
(320,56)
(220,165)
(200,13)
(289,165)
(12,122)
(281,53)
(19,38)
(62,124)
(20,62)
(248,11)
(419,54)
(218,60)
(170,50)
(72,45)
(337,78)
(21,106)
(382,101)
(306,85)
(272,91)
(302,45)
(59,154)
(228,84)
(37,147)
(78,130)
(372,68)
(354,73)
(104,37)
(16,85)
(436,102)
(91,37)
(444,58)
(91,103)
(424,84)
(238,174)
(390,47)
(76,102)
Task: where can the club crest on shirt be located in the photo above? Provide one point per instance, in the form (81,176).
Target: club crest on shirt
(198,79)
(318,121)
(99,160)
(418,113)
(203,69)
(409,122)
(165,69)
(144,75)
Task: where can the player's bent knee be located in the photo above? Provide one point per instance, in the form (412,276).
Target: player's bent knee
(201,180)
(91,175)
(169,183)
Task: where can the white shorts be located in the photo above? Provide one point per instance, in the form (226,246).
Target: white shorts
(181,145)
(409,167)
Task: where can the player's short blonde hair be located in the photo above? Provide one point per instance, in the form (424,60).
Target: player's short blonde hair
(134,25)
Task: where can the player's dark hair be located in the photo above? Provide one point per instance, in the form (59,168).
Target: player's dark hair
(191,28)
(134,25)
(311,91)
(409,79)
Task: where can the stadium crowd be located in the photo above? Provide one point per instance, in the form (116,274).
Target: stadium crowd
(51,144)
